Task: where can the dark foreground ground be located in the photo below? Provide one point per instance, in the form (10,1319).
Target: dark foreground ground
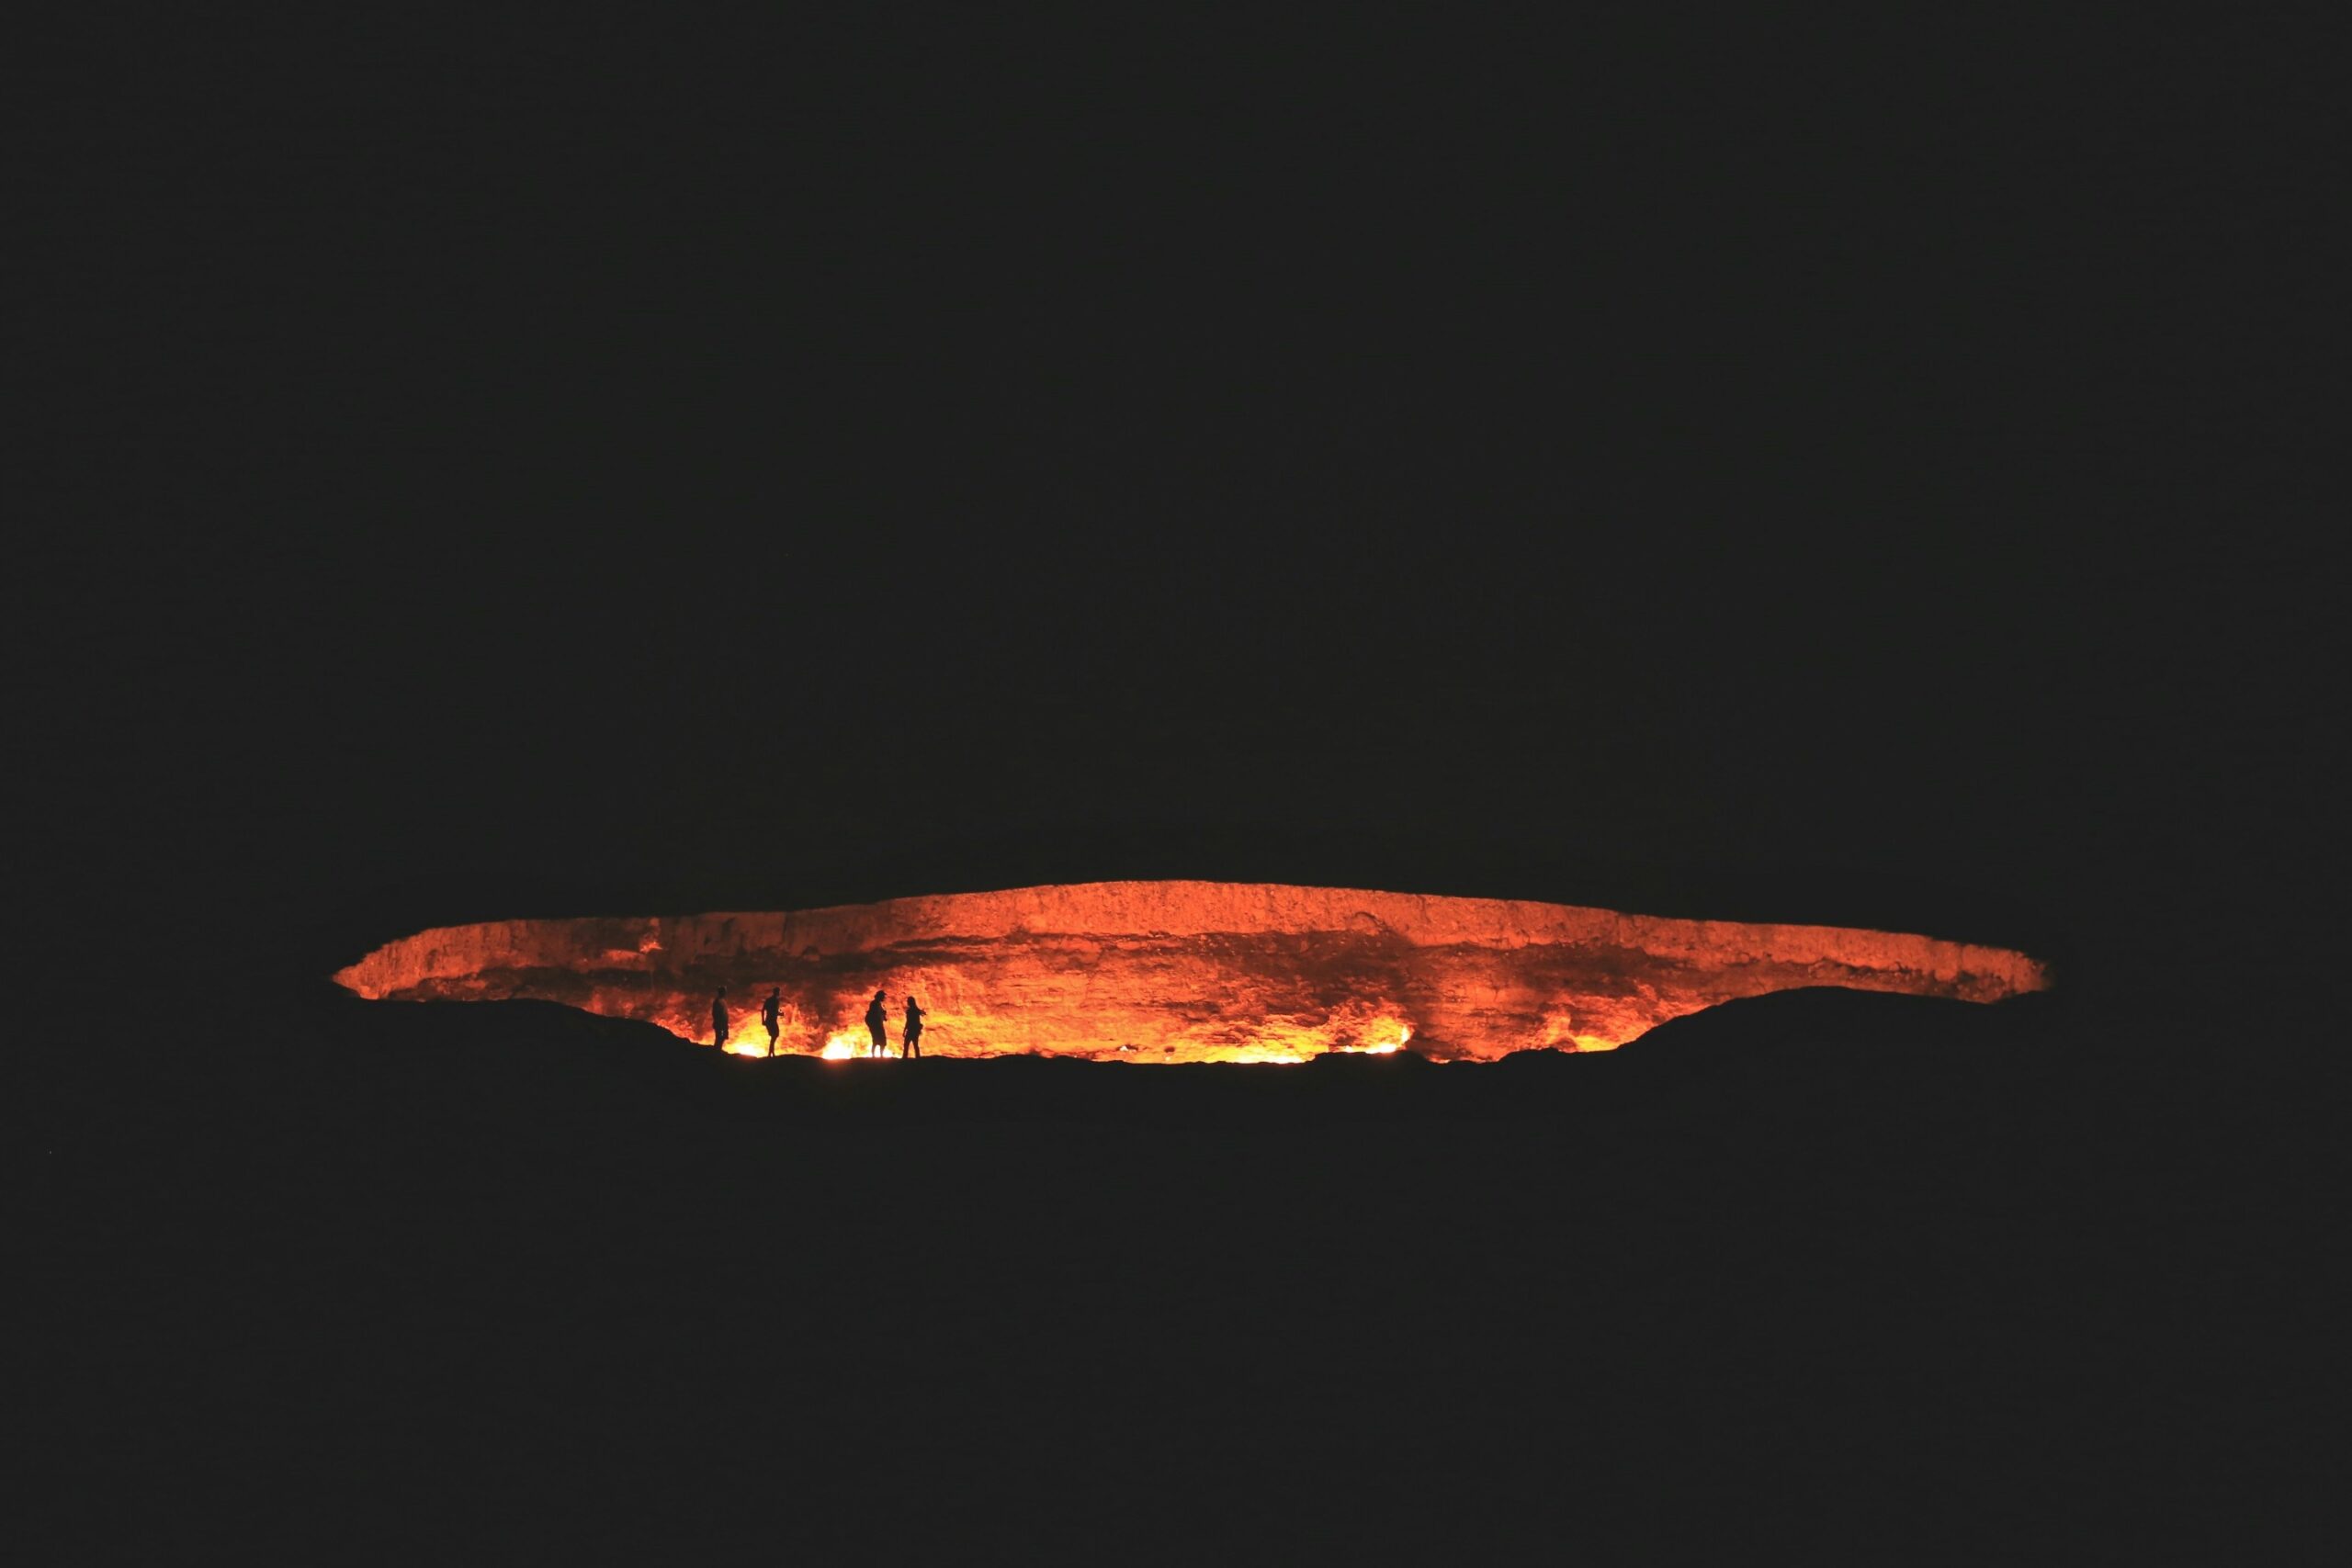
(1866,1276)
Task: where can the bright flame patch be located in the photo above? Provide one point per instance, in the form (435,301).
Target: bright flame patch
(1173,972)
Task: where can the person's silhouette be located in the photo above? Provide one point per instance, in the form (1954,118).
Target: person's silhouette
(768,1011)
(911,1041)
(877,1015)
(719,1019)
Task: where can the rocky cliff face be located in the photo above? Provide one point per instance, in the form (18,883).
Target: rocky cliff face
(1178,971)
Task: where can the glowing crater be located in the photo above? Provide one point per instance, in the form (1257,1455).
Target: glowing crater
(1176,971)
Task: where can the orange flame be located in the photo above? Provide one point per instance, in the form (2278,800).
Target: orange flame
(1179,971)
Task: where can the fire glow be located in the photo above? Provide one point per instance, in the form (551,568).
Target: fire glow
(1175,971)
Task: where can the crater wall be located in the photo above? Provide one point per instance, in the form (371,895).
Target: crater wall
(1178,971)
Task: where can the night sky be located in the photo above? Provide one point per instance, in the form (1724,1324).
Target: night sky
(638,466)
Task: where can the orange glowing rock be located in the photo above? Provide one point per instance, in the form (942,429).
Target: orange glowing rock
(1177,971)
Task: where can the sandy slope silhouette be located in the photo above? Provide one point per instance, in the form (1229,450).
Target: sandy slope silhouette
(1819,1256)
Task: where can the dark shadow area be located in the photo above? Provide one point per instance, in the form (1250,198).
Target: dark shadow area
(1849,1267)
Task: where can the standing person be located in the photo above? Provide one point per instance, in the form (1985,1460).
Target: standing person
(768,1011)
(719,1019)
(910,1042)
(877,1015)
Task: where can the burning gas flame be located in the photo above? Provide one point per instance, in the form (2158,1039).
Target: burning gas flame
(1175,972)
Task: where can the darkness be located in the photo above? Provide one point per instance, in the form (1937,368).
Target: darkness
(1870,467)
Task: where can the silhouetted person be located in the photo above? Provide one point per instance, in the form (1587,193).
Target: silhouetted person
(719,1019)
(910,1042)
(877,1018)
(768,1011)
